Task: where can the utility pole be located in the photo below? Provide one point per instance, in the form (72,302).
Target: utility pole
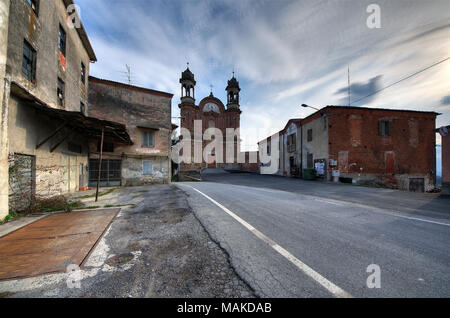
(128,73)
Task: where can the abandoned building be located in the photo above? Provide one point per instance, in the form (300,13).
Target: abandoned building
(366,146)
(146,113)
(44,128)
(213,114)
(444,132)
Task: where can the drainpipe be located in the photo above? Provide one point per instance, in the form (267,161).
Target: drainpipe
(100,163)
(4,106)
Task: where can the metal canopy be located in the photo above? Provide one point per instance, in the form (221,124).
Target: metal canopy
(76,121)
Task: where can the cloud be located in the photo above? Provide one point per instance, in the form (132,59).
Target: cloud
(285,52)
(360,90)
(446,100)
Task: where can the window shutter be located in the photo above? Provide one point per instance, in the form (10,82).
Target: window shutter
(147,168)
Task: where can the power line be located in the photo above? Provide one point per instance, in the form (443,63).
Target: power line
(403,79)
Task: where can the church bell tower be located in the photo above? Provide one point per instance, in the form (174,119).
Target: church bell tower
(233,91)
(188,83)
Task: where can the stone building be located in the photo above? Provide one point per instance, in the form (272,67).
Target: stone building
(44,66)
(213,114)
(367,146)
(147,115)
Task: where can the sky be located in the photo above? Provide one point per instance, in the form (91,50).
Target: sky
(285,53)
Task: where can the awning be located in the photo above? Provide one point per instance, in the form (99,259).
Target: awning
(76,121)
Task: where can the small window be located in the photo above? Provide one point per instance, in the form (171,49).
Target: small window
(34,4)
(82,108)
(385,128)
(62,40)
(83,73)
(61,92)
(268,149)
(107,147)
(148,139)
(29,61)
(147,168)
(310,160)
(310,135)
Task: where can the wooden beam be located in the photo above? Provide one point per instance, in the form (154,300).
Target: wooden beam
(39,145)
(61,141)
(100,163)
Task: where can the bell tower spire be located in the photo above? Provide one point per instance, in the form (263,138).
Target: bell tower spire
(233,91)
(188,83)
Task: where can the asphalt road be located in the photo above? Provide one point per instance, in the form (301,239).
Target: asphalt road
(329,241)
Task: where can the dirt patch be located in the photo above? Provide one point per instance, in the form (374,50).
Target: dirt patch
(120,259)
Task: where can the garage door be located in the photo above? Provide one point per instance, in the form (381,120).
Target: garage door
(111,173)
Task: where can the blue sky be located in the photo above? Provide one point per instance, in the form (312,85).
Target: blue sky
(285,53)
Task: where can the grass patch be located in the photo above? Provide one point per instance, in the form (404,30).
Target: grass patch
(55,204)
(142,191)
(11,216)
(100,194)
(6,294)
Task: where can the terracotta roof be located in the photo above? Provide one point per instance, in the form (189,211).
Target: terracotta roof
(130,87)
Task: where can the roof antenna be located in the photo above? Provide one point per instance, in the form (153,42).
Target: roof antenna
(349,88)
(211,89)
(128,73)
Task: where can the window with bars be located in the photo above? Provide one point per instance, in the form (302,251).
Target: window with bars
(61,92)
(62,40)
(147,168)
(29,61)
(148,139)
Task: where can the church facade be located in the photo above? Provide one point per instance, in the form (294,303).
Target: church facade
(211,113)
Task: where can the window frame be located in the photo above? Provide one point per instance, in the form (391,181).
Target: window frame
(309,135)
(36,5)
(144,172)
(151,141)
(62,90)
(31,61)
(384,128)
(83,73)
(62,42)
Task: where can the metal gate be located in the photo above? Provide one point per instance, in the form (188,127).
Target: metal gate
(21,182)
(111,173)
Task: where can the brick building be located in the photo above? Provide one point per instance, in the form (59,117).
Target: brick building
(147,115)
(367,146)
(213,114)
(444,131)
(44,65)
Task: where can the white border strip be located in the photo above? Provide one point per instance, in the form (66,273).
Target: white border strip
(332,288)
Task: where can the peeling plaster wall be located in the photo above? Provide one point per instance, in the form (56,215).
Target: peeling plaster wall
(390,161)
(134,107)
(41,31)
(57,172)
(4,96)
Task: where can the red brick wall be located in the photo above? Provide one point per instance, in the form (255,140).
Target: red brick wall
(446,159)
(226,119)
(410,150)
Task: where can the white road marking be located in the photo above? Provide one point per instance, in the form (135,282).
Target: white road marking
(332,288)
(393,213)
